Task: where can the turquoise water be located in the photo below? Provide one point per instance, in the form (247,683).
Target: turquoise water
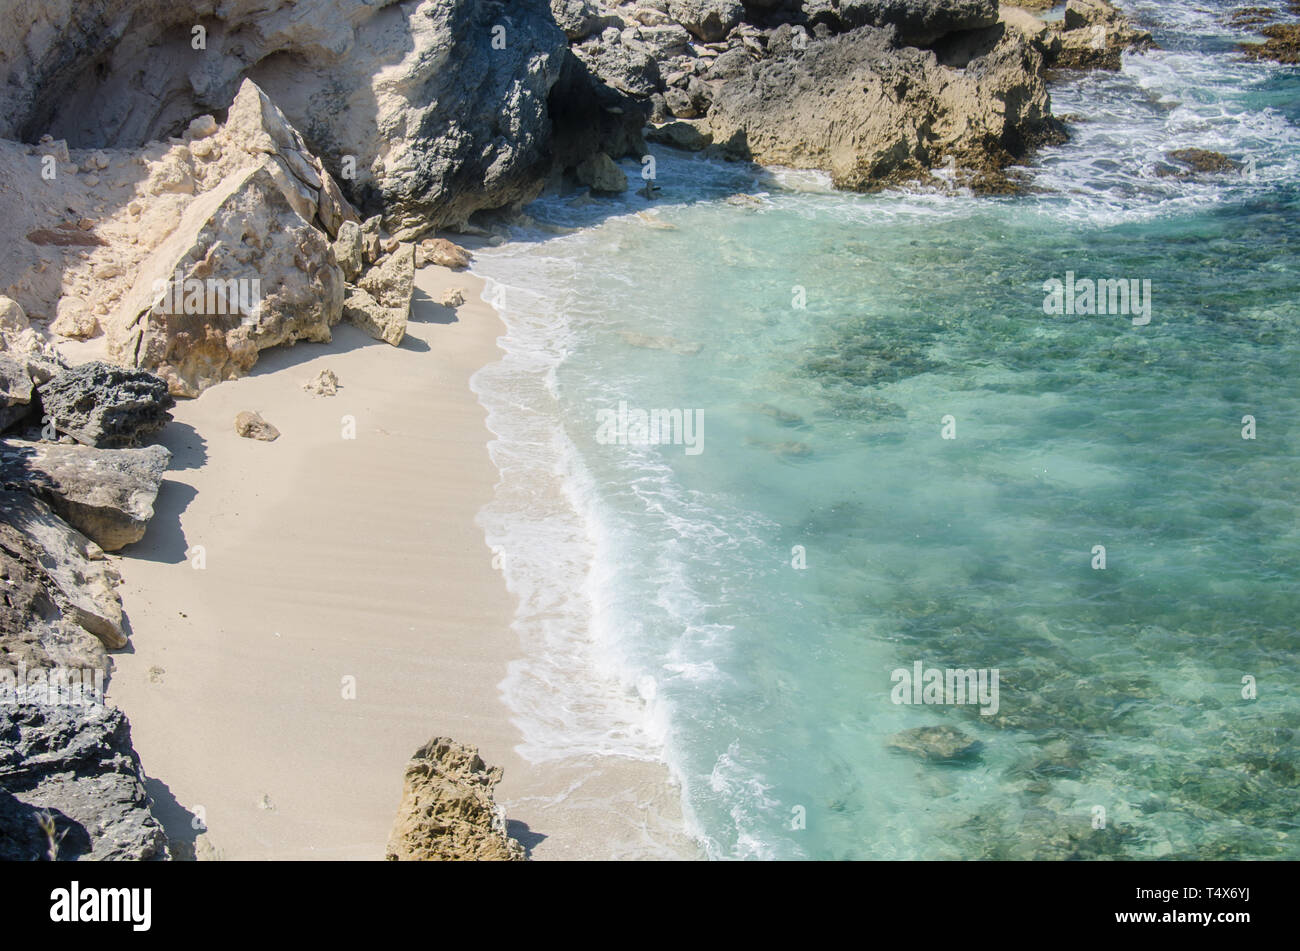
(660,612)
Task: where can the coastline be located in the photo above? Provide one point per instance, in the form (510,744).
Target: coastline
(234,681)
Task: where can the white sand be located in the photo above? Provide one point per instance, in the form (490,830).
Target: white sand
(329,558)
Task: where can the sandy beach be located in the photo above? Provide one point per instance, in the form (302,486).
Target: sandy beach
(346,611)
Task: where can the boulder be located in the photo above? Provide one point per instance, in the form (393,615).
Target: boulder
(447,812)
(601,174)
(106,494)
(709,20)
(1093,35)
(70,578)
(452,297)
(579,19)
(12,317)
(244,271)
(107,406)
(251,425)
(443,253)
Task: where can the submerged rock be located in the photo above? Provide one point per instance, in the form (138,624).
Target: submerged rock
(107,406)
(107,494)
(447,812)
(943,744)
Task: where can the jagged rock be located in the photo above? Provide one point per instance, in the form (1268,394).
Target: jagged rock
(75,765)
(452,297)
(347,250)
(871,114)
(99,404)
(622,62)
(579,19)
(243,270)
(381,303)
(936,743)
(447,812)
(68,573)
(710,20)
(601,174)
(443,253)
(251,425)
(106,494)
(15,392)
(325,383)
(681,135)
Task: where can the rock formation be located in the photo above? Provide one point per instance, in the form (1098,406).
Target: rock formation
(447,812)
(99,404)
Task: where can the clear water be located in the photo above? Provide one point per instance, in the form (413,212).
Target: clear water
(660,612)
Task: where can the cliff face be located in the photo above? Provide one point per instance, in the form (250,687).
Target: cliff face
(440,105)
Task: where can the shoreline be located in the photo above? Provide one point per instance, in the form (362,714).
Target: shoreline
(328,558)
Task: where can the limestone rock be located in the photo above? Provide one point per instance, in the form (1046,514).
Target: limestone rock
(12,316)
(443,253)
(943,744)
(447,811)
(107,494)
(244,271)
(452,297)
(602,174)
(325,383)
(98,404)
(347,250)
(15,391)
(381,303)
(1093,35)
(74,319)
(579,19)
(70,574)
(917,22)
(872,114)
(251,425)
(710,20)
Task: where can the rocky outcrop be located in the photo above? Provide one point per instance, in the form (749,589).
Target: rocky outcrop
(102,405)
(106,494)
(872,114)
(1282,44)
(447,812)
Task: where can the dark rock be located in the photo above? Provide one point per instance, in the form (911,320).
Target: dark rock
(75,764)
(102,405)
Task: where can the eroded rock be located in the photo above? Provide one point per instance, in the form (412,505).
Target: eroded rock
(107,406)
(447,811)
